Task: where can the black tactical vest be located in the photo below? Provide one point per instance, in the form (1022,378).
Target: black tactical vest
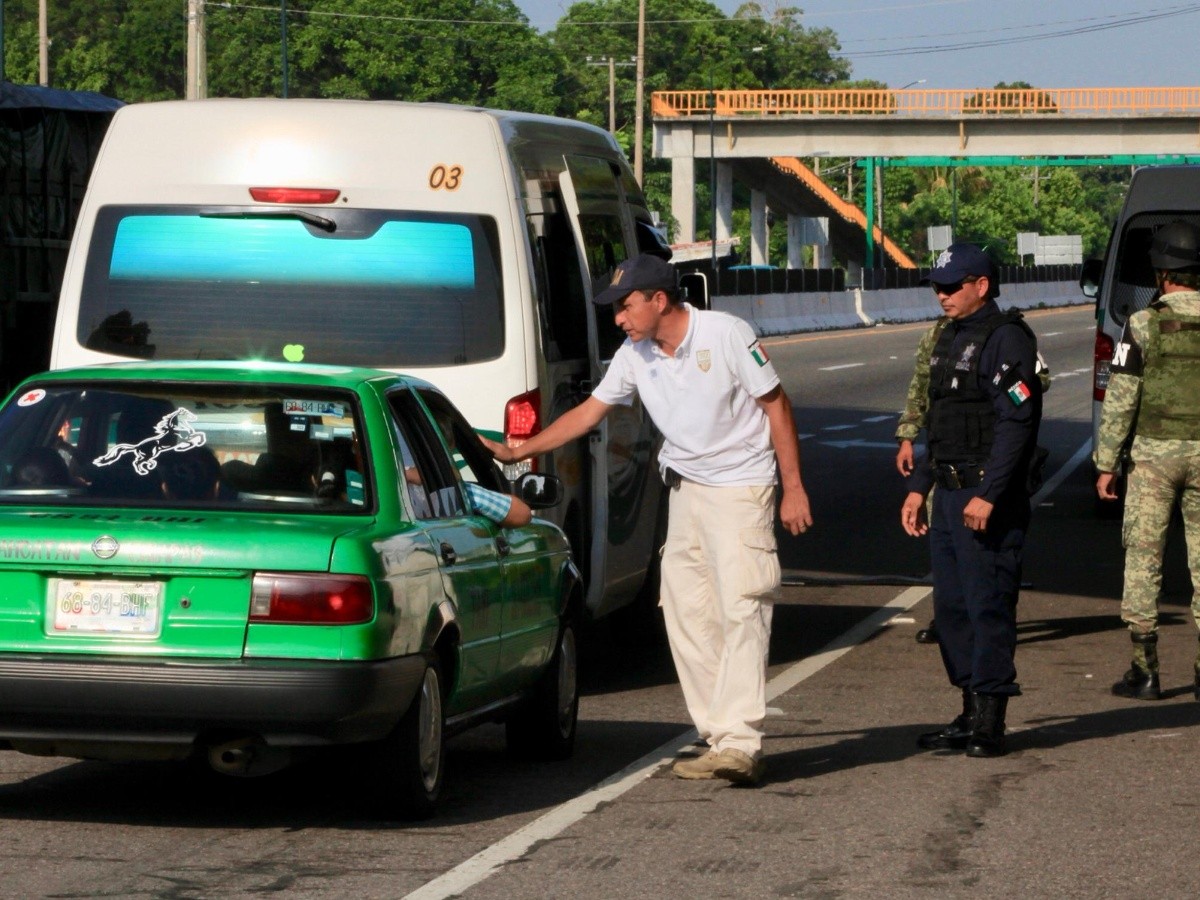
(961,419)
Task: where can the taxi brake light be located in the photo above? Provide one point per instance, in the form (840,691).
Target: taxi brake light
(315,598)
(294,195)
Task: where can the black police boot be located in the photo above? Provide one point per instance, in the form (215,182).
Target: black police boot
(987,725)
(955,735)
(927,635)
(1141,681)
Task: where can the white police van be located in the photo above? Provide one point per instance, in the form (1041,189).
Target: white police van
(460,244)
(1123,282)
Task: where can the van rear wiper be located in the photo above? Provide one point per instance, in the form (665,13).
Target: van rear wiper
(302,214)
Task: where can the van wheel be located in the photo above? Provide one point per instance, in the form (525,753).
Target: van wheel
(544,727)
(407,767)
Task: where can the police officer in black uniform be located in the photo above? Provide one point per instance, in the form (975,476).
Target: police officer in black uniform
(984,413)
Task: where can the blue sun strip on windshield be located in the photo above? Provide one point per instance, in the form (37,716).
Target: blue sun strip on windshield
(284,251)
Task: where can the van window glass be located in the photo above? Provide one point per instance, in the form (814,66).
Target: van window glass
(354,287)
(148,444)
(603,239)
(1133,285)
(561,298)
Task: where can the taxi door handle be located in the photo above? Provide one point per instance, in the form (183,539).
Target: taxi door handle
(449,556)
(503,546)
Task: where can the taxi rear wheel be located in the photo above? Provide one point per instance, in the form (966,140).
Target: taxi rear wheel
(408,765)
(544,728)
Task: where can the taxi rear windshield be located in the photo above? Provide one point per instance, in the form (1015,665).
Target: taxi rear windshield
(234,448)
(352,287)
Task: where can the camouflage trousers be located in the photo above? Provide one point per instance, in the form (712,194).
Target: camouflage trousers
(1153,487)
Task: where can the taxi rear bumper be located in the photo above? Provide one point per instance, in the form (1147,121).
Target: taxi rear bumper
(125,701)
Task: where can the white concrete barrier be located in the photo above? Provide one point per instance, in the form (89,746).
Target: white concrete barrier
(791,313)
(773,314)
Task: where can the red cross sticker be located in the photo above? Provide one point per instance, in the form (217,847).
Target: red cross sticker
(31,397)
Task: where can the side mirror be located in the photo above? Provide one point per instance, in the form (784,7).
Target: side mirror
(1089,277)
(538,490)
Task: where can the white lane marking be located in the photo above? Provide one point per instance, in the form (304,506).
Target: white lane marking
(1053,333)
(839,427)
(487,861)
(874,419)
(842,366)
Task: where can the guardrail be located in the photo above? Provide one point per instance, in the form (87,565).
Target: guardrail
(1128,101)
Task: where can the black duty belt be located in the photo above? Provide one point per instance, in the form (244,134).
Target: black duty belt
(957,475)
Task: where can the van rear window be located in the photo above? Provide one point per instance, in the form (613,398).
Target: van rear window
(353,287)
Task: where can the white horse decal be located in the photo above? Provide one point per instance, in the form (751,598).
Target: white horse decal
(173,432)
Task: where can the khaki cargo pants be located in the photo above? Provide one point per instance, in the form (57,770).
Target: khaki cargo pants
(720,575)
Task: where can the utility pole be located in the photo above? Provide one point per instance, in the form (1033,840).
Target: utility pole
(611,62)
(641,91)
(197,53)
(43,46)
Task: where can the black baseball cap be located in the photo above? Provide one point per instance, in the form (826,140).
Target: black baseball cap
(638,273)
(961,261)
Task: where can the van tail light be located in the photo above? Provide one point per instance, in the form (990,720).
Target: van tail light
(1103,364)
(522,420)
(311,599)
(294,195)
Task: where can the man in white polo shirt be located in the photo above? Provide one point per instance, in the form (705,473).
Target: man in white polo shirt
(726,421)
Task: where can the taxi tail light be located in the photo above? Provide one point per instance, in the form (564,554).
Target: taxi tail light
(1103,361)
(522,420)
(294,195)
(303,599)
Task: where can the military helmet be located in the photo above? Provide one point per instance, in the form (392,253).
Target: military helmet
(1176,246)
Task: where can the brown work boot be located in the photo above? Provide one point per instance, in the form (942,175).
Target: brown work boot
(700,767)
(739,767)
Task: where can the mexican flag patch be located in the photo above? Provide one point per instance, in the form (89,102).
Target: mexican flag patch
(1018,393)
(759,354)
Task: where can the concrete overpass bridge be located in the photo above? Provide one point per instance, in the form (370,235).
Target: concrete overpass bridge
(758,137)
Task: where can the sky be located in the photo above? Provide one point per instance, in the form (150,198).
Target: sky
(980,43)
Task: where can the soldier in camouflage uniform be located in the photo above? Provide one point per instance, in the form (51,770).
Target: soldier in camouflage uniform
(912,420)
(1154,395)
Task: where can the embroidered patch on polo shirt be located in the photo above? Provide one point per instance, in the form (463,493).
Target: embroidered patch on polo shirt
(759,354)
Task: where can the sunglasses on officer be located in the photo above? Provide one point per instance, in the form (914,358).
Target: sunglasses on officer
(951,288)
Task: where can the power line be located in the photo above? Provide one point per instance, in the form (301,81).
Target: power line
(1098,24)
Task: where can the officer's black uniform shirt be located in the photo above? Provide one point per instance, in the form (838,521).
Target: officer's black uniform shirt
(1008,357)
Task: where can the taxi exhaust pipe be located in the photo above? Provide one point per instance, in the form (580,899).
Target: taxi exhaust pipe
(246,757)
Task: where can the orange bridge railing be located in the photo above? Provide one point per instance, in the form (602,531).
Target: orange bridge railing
(1129,101)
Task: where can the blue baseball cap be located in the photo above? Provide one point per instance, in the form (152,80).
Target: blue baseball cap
(961,261)
(638,273)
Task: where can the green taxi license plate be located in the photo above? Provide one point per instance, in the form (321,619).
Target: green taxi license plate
(131,608)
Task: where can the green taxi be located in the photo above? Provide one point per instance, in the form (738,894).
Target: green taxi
(238,562)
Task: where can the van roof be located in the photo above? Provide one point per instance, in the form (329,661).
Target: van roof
(1163,189)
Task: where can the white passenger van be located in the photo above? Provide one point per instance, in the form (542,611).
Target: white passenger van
(455,243)
(1123,281)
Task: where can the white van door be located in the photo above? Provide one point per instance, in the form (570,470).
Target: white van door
(621,449)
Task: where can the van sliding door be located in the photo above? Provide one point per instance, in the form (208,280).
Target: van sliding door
(624,482)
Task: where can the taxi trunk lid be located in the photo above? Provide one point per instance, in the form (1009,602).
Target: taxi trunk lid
(142,583)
